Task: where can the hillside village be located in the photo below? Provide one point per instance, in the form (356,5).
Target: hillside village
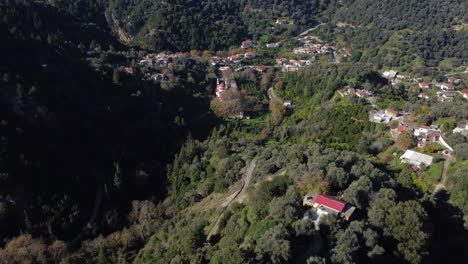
(250,52)
(427,138)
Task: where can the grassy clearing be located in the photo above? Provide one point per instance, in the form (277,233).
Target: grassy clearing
(434,173)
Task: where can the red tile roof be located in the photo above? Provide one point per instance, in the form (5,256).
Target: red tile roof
(330,202)
(401,129)
(424,127)
(415,168)
(392,111)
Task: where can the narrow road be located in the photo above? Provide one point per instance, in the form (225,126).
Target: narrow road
(310,29)
(234,197)
(444,179)
(456,73)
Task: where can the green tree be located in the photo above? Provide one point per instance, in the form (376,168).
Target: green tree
(230,255)
(277,110)
(274,247)
(405,223)
(459,193)
(405,140)
(101,258)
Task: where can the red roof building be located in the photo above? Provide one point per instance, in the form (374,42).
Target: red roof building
(391,112)
(401,129)
(447,86)
(329,202)
(129,69)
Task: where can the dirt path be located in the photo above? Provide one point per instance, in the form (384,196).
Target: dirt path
(237,196)
(310,29)
(456,73)
(444,179)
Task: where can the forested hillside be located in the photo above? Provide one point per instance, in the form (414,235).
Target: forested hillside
(395,33)
(72,136)
(184,25)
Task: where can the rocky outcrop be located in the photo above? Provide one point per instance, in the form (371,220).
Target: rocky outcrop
(124,37)
(117,27)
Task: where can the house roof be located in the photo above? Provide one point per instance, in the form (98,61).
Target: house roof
(434,133)
(363,92)
(417,158)
(330,202)
(425,84)
(392,111)
(448,85)
(424,127)
(401,129)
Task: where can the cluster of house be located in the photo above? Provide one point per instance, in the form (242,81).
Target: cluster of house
(219,61)
(162,59)
(327,205)
(445,94)
(361,93)
(284,22)
(423,134)
(383,116)
(292,65)
(313,48)
(396,78)
(462,128)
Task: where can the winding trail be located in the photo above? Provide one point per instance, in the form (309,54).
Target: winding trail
(239,196)
(444,179)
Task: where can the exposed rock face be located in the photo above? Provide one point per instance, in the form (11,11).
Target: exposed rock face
(124,37)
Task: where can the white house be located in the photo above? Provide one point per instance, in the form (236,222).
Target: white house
(423,85)
(422,130)
(447,86)
(381,117)
(389,74)
(273,45)
(415,158)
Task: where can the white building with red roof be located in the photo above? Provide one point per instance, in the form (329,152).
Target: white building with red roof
(447,86)
(327,203)
(424,85)
(391,113)
(421,130)
(247,44)
(273,45)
